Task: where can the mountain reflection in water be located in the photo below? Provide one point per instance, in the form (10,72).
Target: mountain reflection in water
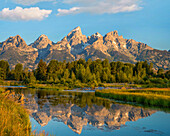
(76,109)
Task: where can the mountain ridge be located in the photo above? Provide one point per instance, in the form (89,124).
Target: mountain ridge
(76,45)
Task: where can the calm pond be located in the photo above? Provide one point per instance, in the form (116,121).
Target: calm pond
(70,113)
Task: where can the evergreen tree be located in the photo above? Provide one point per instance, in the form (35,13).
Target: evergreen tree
(80,73)
(160,71)
(66,74)
(98,79)
(18,72)
(113,66)
(41,71)
(4,66)
(31,77)
(104,77)
(2,74)
(112,79)
(88,75)
(167,74)
(73,77)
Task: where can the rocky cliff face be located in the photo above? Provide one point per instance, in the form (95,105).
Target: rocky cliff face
(15,50)
(76,45)
(42,42)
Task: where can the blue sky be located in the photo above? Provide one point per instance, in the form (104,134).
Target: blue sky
(146,21)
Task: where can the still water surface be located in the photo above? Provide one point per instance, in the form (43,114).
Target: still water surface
(82,113)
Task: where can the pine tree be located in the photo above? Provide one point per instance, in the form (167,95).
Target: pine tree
(4,65)
(41,71)
(66,74)
(88,75)
(73,77)
(18,72)
(80,73)
(98,79)
(31,77)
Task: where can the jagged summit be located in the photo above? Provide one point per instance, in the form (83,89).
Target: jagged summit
(115,33)
(75,45)
(91,39)
(76,31)
(42,42)
(14,41)
(75,37)
(64,39)
(97,35)
(77,28)
(16,36)
(43,36)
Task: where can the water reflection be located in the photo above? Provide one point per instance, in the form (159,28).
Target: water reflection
(77,109)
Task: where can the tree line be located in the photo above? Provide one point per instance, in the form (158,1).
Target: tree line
(89,71)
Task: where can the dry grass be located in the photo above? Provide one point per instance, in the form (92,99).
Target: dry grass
(14,120)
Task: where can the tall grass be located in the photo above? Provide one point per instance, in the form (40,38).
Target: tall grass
(14,120)
(149,97)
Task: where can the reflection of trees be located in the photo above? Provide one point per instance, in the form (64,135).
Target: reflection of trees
(76,109)
(61,97)
(80,99)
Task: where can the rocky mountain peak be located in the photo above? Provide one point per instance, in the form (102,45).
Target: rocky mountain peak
(77,29)
(75,37)
(43,36)
(14,41)
(64,39)
(94,37)
(42,42)
(76,45)
(97,35)
(115,33)
(76,32)
(18,37)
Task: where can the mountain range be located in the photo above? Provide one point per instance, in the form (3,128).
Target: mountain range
(76,45)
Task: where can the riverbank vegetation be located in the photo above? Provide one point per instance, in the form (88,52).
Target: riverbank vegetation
(159,97)
(83,73)
(14,120)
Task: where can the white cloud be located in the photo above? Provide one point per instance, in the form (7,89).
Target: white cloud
(26,14)
(30,2)
(73,10)
(100,6)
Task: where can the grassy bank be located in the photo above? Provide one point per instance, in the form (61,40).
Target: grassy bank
(70,86)
(159,97)
(14,120)
(60,86)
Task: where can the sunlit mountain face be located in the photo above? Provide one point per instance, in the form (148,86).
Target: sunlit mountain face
(76,110)
(75,45)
